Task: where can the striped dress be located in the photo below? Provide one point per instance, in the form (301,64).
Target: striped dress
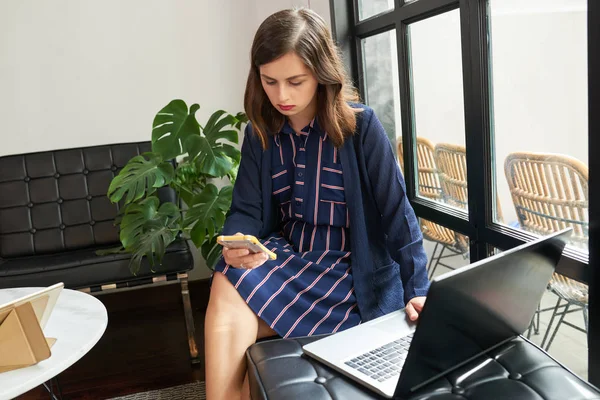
(308,290)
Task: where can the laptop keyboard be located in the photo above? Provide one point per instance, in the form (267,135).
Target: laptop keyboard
(384,362)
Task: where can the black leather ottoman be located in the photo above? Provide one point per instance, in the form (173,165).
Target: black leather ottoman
(518,370)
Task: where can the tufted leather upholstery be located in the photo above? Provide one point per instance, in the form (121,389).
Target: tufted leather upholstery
(54,215)
(518,370)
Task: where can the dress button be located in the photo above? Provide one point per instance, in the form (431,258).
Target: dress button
(300,174)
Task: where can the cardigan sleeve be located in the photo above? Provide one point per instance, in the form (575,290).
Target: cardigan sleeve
(245,214)
(404,237)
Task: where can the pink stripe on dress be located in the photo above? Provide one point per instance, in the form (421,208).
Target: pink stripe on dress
(312,239)
(282,190)
(317,279)
(293,149)
(279,174)
(267,277)
(282,287)
(277,142)
(330,310)
(302,237)
(332,187)
(242,277)
(345,318)
(316,302)
(331,215)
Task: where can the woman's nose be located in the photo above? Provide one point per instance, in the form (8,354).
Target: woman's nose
(283,94)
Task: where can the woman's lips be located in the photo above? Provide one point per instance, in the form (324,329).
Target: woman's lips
(285,108)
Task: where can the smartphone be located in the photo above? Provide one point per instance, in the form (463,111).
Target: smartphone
(245,242)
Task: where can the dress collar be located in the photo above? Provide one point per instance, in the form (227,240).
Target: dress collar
(312,127)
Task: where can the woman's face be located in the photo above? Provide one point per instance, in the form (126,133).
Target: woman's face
(290,85)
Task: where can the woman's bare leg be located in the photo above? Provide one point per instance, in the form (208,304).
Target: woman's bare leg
(264,331)
(230,328)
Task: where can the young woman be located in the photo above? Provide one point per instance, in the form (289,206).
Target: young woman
(319,185)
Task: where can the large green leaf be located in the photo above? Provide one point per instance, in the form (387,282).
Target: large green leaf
(152,244)
(213,130)
(145,215)
(206,214)
(211,252)
(212,154)
(172,126)
(241,118)
(212,159)
(141,176)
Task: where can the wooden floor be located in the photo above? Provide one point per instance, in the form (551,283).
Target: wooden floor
(144,346)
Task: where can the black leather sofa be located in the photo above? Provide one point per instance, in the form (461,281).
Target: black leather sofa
(54,216)
(518,370)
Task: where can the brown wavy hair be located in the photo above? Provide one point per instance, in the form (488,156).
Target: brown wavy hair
(304,32)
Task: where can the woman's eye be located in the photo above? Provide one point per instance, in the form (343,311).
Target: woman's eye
(270,83)
(295,83)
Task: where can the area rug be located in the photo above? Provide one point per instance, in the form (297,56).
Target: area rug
(189,391)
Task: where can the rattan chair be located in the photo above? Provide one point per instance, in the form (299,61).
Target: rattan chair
(550,193)
(446,240)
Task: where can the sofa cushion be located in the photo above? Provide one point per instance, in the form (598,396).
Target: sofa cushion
(83,268)
(517,370)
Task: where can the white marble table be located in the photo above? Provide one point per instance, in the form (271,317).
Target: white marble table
(77,322)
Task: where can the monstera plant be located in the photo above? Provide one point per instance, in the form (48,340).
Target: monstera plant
(187,157)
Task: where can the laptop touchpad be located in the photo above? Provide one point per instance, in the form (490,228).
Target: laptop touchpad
(398,325)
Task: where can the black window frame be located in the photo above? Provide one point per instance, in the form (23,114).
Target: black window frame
(477,223)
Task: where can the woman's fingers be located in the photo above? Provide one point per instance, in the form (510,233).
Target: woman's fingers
(235,253)
(242,258)
(412,313)
(252,261)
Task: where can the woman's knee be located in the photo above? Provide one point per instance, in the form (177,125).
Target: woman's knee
(226,303)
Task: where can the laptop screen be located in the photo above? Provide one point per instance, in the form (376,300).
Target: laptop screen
(473,310)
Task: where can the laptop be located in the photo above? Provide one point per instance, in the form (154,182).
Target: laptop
(469,312)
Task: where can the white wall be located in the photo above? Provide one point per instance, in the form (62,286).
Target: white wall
(83,73)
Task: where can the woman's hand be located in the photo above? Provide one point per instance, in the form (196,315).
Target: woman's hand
(414,307)
(242,258)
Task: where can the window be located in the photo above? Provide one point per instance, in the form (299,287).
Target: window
(438,116)
(369,8)
(490,95)
(540,125)
(446,249)
(380,66)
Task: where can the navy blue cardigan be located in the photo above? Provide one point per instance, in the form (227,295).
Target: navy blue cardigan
(388,259)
